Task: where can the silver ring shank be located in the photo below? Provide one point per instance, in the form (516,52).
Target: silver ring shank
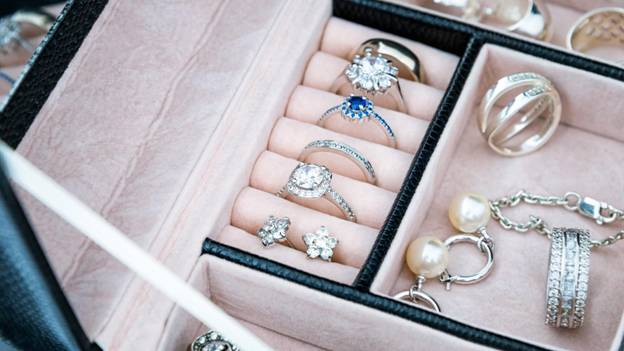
(568,276)
(332,196)
(342,86)
(344,150)
(593,29)
(385,127)
(535,23)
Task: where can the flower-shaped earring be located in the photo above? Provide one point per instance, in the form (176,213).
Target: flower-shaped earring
(320,244)
(274,230)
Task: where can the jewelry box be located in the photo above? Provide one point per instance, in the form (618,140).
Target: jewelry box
(178,121)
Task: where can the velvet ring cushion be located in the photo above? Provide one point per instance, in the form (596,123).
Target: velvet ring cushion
(374,70)
(344,150)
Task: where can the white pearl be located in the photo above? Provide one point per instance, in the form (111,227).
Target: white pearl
(469,212)
(427,256)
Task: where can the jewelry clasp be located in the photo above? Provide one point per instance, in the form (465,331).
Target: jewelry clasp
(595,209)
(449,279)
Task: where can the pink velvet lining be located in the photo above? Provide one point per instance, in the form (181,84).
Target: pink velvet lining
(289,316)
(511,300)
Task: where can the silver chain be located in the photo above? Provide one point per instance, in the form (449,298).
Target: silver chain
(601,212)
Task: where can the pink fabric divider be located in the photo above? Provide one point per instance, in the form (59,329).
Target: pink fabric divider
(254,206)
(563,13)
(315,317)
(371,204)
(511,301)
(181,328)
(308,104)
(341,37)
(290,137)
(421,100)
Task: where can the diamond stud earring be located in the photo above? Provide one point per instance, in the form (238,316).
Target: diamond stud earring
(274,230)
(320,244)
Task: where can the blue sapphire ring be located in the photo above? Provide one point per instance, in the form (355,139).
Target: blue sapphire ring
(359,109)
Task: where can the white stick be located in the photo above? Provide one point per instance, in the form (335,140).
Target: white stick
(72,210)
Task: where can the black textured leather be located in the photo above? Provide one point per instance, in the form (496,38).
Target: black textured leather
(34,314)
(459,38)
(349,293)
(47,68)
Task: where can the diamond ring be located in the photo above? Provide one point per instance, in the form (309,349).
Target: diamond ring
(274,231)
(309,180)
(375,68)
(213,341)
(344,150)
(359,109)
(568,277)
(320,244)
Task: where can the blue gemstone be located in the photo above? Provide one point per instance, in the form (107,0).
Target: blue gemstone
(358,103)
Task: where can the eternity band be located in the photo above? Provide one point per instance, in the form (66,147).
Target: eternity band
(344,150)
(568,277)
(309,180)
(539,102)
(602,27)
(359,109)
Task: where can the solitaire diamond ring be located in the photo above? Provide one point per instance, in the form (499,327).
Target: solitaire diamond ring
(213,341)
(309,180)
(359,109)
(344,150)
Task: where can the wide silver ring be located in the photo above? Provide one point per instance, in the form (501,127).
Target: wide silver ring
(568,277)
(212,340)
(359,109)
(342,149)
(375,68)
(602,27)
(535,23)
(538,102)
(312,181)
(486,249)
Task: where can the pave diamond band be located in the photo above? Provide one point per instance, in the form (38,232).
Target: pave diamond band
(344,150)
(359,109)
(568,277)
(309,180)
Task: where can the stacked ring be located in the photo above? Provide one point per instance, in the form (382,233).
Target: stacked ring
(344,150)
(541,101)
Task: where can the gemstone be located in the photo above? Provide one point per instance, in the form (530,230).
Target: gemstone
(273,230)
(358,103)
(309,176)
(320,244)
(373,73)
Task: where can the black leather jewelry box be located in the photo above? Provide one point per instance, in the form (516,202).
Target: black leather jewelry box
(35,315)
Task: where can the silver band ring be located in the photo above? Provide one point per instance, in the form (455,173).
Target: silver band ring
(344,150)
(568,277)
(309,180)
(602,27)
(503,129)
(359,109)
(535,23)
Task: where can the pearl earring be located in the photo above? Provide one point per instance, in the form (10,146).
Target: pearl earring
(428,257)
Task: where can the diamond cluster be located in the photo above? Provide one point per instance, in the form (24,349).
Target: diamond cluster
(371,73)
(320,244)
(309,180)
(568,277)
(273,230)
(213,341)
